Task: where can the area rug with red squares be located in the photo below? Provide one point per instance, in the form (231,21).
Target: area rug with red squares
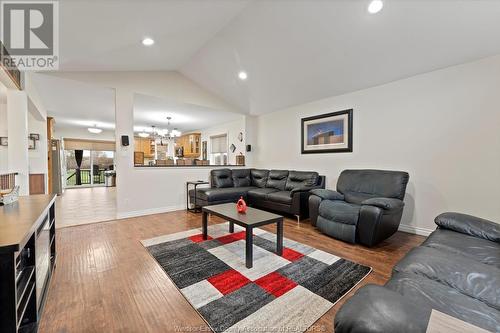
(278,294)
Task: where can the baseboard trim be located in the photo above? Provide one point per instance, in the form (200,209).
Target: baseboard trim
(415,230)
(150,211)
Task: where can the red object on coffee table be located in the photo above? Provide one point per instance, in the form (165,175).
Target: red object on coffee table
(241,206)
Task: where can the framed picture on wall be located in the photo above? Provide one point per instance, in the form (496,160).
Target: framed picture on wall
(35,136)
(327,133)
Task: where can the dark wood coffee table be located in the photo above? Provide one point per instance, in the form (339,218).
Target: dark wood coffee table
(253,218)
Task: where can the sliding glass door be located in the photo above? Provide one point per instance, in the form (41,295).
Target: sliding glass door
(86,167)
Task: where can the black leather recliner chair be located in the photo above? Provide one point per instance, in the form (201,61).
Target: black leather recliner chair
(366,208)
(277,190)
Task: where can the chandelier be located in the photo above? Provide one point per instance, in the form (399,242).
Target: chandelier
(158,135)
(171,133)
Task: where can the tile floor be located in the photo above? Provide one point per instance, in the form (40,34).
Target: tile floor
(86,205)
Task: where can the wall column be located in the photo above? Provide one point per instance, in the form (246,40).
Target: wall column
(124,156)
(17,126)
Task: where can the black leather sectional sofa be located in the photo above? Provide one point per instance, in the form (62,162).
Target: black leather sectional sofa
(455,271)
(277,190)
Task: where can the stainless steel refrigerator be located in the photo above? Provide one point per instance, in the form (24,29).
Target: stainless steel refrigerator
(57,166)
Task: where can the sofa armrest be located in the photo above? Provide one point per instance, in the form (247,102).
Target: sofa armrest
(328,194)
(384,203)
(376,309)
(469,225)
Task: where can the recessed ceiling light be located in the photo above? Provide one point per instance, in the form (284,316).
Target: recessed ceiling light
(94,129)
(243,75)
(148,41)
(375,6)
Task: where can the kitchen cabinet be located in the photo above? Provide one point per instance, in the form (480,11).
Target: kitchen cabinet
(191,143)
(144,145)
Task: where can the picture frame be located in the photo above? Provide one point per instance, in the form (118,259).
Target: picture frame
(34,136)
(31,144)
(4,141)
(327,133)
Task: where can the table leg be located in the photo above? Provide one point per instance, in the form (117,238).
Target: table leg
(279,236)
(204,222)
(187,197)
(249,247)
(231,227)
(195,198)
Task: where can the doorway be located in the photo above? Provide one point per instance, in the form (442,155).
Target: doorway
(86,168)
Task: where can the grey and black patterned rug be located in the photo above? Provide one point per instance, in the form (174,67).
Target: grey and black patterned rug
(278,294)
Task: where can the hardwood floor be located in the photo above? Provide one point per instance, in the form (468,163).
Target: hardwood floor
(106,281)
(86,205)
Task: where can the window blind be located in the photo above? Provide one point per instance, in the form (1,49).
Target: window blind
(72,144)
(218,144)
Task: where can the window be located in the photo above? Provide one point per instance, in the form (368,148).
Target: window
(218,149)
(92,166)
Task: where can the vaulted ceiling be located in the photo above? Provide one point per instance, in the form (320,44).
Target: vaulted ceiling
(294,51)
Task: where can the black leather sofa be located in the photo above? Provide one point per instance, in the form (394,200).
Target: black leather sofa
(277,190)
(366,208)
(455,271)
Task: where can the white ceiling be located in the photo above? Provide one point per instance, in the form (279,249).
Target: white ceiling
(107,34)
(149,110)
(301,51)
(294,51)
(76,104)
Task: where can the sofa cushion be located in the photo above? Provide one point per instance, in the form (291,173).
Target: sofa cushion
(229,194)
(300,179)
(277,179)
(283,197)
(241,177)
(259,177)
(380,183)
(357,197)
(479,249)
(259,193)
(221,178)
(339,211)
(432,294)
(464,274)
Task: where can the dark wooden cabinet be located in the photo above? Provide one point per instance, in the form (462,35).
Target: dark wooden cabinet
(37,183)
(27,260)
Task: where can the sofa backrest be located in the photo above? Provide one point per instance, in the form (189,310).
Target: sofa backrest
(221,178)
(241,177)
(277,179)
(359,185)
(259,177)
(298,179)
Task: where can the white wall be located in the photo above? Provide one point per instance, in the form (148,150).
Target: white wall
(17,124)
(442,127)
(148,190)
(38,156)
(232,129)
(4,165)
